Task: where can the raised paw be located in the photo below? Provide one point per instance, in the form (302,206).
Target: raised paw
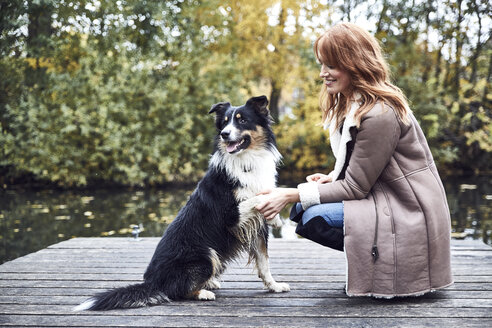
(279,287)
(205,295)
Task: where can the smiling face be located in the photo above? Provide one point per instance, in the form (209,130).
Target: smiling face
(336,80)
(242,127)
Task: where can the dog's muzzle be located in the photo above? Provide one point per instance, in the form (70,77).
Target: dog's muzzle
(234,145)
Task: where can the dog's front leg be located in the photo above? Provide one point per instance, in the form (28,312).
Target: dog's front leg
(260,255)
(247,209)
(276,222)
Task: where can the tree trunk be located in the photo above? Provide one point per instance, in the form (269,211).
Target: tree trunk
(438,63)
(276,80)
(275,100)
(38,40)
(382,16)
(427,63)
(486,89)
(478,47)
(459,45)
(39,27)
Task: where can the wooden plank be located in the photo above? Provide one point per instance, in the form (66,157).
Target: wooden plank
(277,269)
(112,284)
(232,321)
(234,292)
(294,302)
(231,285)
(132,278)
(390,311)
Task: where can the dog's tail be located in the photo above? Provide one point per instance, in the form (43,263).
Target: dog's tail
(132,296)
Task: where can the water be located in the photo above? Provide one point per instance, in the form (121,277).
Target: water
(33,220)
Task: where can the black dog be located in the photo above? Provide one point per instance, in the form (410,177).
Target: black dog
(219,220)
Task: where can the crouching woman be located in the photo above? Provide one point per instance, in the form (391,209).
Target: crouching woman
(384,203)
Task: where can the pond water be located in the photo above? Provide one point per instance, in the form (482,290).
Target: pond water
(33,220)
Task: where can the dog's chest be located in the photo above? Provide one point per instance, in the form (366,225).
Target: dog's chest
(254,171)
(254,181)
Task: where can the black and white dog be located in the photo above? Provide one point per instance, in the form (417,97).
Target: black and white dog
(219,220)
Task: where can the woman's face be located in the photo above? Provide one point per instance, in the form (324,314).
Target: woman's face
(336,80)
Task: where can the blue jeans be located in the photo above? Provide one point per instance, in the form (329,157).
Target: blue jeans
(321,223)
(332,213)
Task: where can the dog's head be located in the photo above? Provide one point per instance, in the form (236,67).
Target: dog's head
(243,127)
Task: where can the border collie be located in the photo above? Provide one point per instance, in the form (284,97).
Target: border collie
(218,222)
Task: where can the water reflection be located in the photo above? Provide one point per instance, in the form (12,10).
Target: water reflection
(470,205)
(32,220)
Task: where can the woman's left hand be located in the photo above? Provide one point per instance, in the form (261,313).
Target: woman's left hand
(275,200)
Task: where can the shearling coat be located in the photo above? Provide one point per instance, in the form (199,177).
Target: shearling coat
(396,216)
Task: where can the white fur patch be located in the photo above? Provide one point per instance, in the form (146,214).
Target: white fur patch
(261,261)
(250,220)
(279,287)
(276,222)
(205,295)
(84,306)
(255,169)
(216,263)
(212,283)
(234,132)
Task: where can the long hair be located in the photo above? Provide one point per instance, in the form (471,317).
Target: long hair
(348,47)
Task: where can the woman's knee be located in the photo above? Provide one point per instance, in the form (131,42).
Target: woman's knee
(313,211)
(331,212)
(309,214)
(295,212)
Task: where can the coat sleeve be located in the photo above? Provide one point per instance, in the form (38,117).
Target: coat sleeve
(375,144)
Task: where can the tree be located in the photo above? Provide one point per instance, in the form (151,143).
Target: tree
(123,96)
(266,39)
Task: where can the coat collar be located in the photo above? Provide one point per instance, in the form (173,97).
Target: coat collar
(339,140)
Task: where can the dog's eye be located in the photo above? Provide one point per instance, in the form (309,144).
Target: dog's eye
(242,121)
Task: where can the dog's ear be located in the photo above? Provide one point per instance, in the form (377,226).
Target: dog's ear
(259,104)
(219,107)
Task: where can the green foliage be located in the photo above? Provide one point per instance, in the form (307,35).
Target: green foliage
(118,91)
(120,112)
(301,138)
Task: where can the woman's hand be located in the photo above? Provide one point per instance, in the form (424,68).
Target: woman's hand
(275,200)
(319,178)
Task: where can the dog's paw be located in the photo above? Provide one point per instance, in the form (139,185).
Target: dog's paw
(279,287)
(205,295)
(276,222)
(213,283)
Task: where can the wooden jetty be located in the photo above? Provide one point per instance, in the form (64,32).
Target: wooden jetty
(40,290)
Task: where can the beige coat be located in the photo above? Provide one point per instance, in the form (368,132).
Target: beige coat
(392,184)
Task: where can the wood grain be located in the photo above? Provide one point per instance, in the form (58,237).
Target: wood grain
(40,290)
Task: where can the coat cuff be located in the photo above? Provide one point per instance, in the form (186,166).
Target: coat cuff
(308,194)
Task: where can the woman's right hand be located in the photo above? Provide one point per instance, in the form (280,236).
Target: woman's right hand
(318,178)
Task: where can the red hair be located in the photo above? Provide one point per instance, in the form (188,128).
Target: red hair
(350,48)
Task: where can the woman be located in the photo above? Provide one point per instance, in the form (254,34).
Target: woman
(384,202)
